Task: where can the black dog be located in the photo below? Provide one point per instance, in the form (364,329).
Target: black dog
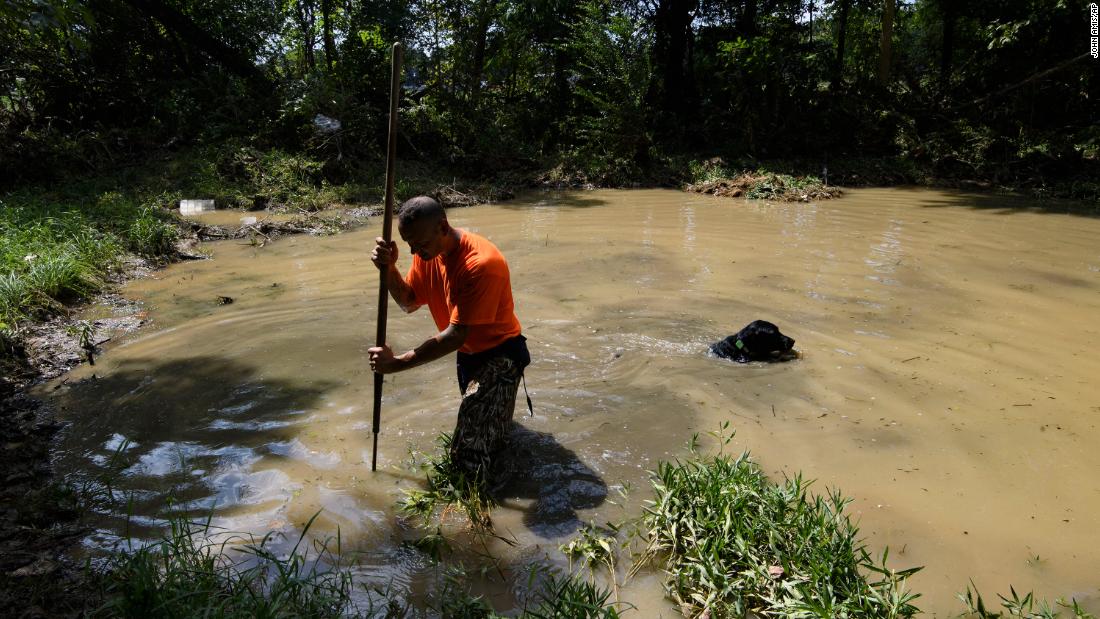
(760,340)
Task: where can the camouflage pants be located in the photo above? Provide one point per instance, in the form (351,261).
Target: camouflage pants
(485,421)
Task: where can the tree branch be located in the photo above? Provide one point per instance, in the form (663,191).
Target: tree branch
(228,57)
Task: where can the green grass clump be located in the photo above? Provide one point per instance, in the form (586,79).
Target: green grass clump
(713,169)
(58,247)
(560,597)
(570,597)
(184,576)
(732,542)
(449,489)
(236,174)
(592,549)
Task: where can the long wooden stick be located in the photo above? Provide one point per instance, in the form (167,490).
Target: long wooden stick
(387,229)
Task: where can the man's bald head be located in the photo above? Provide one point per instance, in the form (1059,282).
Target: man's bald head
(423,224)
(418,209)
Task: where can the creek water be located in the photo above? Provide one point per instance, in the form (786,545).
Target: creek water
(947,381)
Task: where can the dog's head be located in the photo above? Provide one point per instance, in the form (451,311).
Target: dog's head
(760,340)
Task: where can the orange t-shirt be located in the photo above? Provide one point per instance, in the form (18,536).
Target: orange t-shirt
(471,287)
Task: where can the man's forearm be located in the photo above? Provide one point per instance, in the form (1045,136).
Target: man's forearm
(400,290)
(439,345)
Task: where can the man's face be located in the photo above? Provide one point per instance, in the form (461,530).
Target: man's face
(424,236)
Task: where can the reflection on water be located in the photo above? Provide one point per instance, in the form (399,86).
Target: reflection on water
(948,380)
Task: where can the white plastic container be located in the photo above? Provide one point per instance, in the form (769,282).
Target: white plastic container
(191,207)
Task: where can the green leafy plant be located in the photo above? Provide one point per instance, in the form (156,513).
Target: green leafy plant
(151,235)
(1016,606)
(733,543)
(567,597)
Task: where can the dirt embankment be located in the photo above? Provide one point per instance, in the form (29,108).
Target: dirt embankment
(40,517)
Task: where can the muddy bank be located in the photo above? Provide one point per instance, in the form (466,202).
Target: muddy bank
(38,517)
(41,517)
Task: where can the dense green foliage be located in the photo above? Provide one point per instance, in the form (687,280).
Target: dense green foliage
(614,91)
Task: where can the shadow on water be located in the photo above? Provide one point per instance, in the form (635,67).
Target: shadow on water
(556,199)
(1013,204)
(183,432)
(557,481)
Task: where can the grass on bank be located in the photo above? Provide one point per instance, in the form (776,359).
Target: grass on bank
(57,249)
(756,182)
(59,243)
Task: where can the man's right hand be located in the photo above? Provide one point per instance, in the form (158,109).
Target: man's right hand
(384,257)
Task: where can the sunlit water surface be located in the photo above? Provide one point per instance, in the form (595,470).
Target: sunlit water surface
(948,381)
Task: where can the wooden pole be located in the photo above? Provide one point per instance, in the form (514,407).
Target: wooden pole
(387,230)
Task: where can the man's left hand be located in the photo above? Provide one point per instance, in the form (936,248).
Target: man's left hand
(382,360)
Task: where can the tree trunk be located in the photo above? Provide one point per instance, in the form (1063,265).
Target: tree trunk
(950,14)
(886,46)
(841,38)
(811,22)
(672,31)
(477,63)
(330,42)
(746,24)
(305,24)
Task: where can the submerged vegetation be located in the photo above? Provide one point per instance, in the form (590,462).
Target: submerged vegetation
(448,489)
(1026,607)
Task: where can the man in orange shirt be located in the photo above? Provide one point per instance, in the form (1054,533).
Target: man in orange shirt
(463,278)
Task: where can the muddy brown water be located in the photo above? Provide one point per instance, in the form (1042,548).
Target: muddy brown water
(948,380)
